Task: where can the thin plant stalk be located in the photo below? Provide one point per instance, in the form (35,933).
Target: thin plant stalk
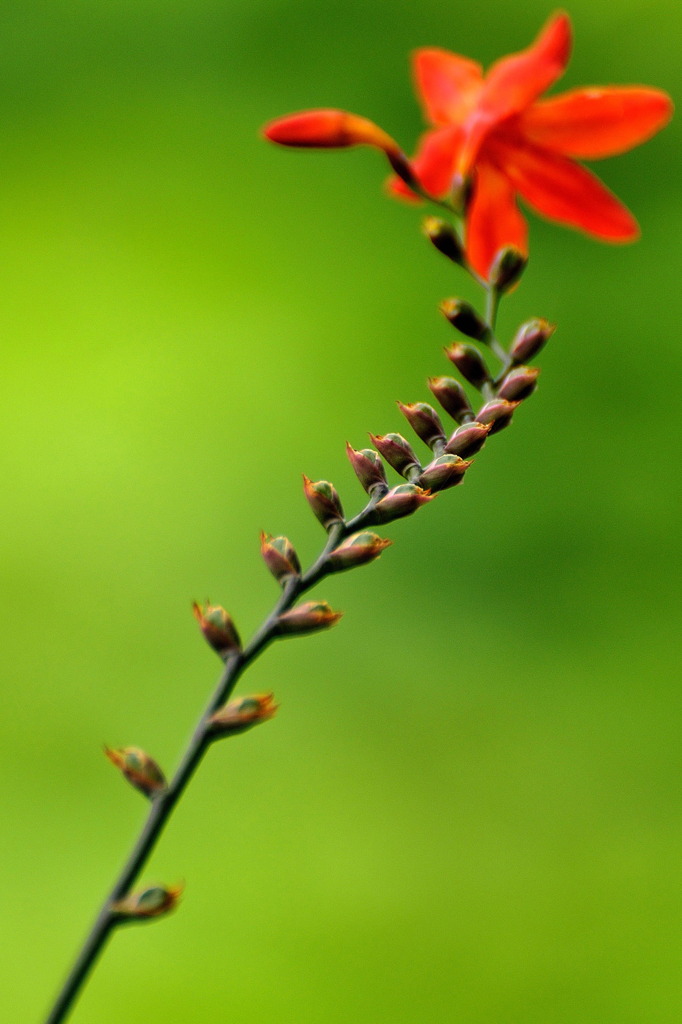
(164,803)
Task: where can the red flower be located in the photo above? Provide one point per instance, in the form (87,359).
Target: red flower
(492,136)
(494,132)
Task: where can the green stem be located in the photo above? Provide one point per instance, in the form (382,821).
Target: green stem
(164,804)
(492,302)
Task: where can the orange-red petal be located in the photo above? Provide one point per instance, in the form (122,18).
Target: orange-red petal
(563,191)
(447,84)
(516,81)
(328,129)
(493,219)
(597,122)
(433,165)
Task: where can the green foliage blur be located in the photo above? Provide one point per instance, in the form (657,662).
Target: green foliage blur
(468,808)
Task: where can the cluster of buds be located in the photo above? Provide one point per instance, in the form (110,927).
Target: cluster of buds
(516,382)
(449,459)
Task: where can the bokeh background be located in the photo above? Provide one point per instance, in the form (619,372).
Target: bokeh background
(469,807)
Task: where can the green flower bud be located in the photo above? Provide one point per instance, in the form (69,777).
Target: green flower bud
(324,501)
(280,557)
(530,338)
(519,383)
(368,467)
(445,471)
(452,396)
(397,452)
(310,617)
(139,769)
(507,268)
(464,317)
(444,238)
(401,501)
(359,549)
(218,628)
(470,363)
(425,422)
(497,413)
(241,714)
(468,439)
(147,903)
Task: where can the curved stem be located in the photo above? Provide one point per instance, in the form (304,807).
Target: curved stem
(164,804)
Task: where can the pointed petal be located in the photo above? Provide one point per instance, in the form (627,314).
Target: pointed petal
(433,164)
(593,123)
(493,220)
(563,191)
(516,81)
(447,84)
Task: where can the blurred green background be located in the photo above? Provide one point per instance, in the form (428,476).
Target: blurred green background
(468,808)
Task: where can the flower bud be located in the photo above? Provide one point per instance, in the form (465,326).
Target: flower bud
(469,362)
(497,413)
(146,903)
(507,268)
(530,338)
(329,129)
(468,439)
(218,628)
(445,471)
(452,396)
(519,383)
(324,501)
(464,317)
(359,549)
(242,713)
(401,501)
(397,452)
(368,467)
(280,557)
(444,238)
(139,769)
(424,421)
(309,617)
